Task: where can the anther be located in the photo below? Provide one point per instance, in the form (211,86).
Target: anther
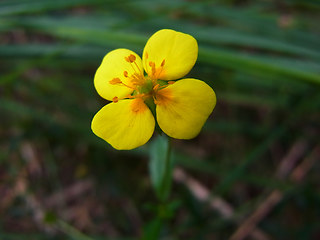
(125,73)
(171,82)
(155,101)
(131,58)
(163,62)
(153,67)
(115,99)
(155,88)
(115,81)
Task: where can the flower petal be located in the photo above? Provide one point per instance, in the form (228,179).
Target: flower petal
(183,107)
(126,124)
(169,55)
(115,66)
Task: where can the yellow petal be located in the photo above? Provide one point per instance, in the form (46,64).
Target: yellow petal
(169,55)
(126,124)
(183,107)
(115,68)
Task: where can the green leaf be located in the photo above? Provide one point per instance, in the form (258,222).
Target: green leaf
(160,166)
(12,7)
(261,64)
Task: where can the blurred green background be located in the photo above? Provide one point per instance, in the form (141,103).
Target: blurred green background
(254,165)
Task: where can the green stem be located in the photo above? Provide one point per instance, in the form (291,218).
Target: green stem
(167,178)
(160,167)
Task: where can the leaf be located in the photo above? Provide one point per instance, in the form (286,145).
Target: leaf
(11,7)
(260,64)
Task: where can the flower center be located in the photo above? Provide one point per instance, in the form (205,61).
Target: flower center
(143,87)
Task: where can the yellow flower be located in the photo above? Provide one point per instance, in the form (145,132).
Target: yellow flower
(180,108)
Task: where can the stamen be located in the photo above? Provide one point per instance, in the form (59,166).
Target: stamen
(155,100)
(161,68)
(153,67)
(138,68)
(156,87)
(115,81)
(156,71)
(131,58)
(115,99)
(136,79)
(146,58)
(171,82)
(141,95)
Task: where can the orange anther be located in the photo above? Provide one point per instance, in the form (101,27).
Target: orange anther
(131,58)
(125,73)
(115,81)
(153,67)
(115,99)
(155,88)
(171,82)
(163,62)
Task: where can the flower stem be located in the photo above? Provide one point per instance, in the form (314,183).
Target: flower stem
(167,176)
(160,167)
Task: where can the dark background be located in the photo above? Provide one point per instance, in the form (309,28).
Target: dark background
(257,155)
